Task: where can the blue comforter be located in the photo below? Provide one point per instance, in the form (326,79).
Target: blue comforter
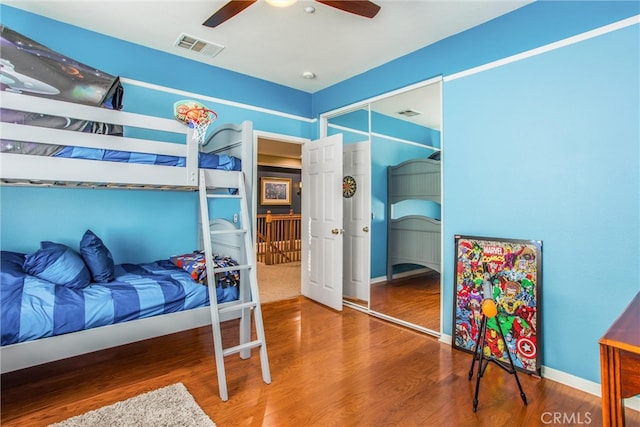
(32,308)
(205,160)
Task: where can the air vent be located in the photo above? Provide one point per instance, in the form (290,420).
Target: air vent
(409,113)
(203,47)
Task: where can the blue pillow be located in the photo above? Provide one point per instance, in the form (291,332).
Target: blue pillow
(97,257)
(58,264)
(11,267)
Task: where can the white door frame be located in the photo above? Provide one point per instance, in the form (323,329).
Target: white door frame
(257,134)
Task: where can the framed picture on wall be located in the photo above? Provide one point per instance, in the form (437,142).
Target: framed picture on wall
(275,191)
(508,271)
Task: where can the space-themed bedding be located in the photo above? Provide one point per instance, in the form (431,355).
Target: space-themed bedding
(30,68)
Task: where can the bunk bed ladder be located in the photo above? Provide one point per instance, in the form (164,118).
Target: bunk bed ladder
(247,304)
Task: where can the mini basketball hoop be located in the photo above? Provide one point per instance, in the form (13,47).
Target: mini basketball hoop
(196,116)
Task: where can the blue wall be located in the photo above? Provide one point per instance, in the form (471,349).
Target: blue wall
(534,25)
(30,215)
(545,148)
(552,140)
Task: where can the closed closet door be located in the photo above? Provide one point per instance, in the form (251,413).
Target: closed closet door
(357,219)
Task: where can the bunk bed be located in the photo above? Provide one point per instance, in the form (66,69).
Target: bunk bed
(232,142)
(413,238)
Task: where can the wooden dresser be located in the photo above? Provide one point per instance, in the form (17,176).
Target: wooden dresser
(620,364)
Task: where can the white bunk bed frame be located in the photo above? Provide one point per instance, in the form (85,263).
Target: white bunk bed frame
(30,170)
(413,239)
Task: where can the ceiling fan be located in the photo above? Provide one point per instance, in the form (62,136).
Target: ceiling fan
(363,8)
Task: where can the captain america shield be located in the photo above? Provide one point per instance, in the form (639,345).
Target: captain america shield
(526,347)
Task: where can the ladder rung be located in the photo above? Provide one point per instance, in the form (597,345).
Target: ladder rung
(239,348)
(236,307)
(233,267)
(237,231)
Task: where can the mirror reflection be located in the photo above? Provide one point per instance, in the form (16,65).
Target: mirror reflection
(356,164)
(406,141)
(404,131)
(353,125)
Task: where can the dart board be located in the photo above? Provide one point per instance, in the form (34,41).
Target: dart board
(348,186)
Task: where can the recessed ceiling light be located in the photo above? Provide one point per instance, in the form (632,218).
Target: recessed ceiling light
(308,75)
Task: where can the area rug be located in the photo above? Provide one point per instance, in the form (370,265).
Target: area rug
(168,406)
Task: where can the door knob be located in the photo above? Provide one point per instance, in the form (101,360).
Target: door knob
(335,231)
(365,229)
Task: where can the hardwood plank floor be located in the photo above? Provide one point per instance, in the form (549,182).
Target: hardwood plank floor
(414,299)
(328,369)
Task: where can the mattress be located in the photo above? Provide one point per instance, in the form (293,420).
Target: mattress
(34,308)
(205,160)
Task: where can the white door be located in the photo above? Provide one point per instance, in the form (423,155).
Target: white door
(322,230)
(357,220)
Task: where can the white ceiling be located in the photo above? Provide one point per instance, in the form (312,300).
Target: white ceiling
(424,100)
(279,44)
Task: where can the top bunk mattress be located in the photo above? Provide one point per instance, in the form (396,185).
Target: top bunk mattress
(205,160)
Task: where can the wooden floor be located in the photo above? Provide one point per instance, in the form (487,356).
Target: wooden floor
(328,368)
(414,299)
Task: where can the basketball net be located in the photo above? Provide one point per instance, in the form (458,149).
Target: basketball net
(199,119)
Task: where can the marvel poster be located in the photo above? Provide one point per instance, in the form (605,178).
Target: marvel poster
(508,271)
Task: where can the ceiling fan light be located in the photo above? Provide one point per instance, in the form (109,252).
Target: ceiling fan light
(280,3)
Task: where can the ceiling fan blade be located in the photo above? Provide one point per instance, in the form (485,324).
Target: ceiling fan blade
(363,8)
(227,12)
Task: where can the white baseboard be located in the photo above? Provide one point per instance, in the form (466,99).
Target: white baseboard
(400,275)
(581,384)
(446,339)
